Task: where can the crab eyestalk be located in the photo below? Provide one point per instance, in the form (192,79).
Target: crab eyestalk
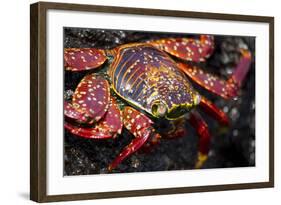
(196,99)
(159,109)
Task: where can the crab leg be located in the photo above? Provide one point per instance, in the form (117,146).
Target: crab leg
(188,49)
(242,68)
(140,126)
(79,59)
(202,129)
(211,109)
(226,89)
(108,127)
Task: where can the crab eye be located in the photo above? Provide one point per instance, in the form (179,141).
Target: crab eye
(159,109)
(196,99)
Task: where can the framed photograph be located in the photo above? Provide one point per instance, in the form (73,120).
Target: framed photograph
(134,102)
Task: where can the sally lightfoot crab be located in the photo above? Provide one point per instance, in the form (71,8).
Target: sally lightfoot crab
(153,78)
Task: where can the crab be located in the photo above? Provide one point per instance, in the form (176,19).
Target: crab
(154,79)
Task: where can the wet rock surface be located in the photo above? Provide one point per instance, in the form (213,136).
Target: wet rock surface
(230,147)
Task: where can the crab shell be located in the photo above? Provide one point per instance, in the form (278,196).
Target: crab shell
(149,79)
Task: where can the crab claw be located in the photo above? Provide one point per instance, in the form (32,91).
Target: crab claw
(189,49)
(92,96)
(108,127)
(141,127)
(96,132)
(79,59)
(113,121)
(73,114)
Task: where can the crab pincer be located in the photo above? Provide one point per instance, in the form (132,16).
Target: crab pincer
(92,96)
(73,114)
(112,120)
(141,127)
(79,59)
(107,127)
(92,105)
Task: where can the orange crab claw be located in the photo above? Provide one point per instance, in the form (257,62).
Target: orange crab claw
(92,96)
(79,59)
(188,49)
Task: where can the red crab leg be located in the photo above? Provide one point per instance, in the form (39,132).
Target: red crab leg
(189,49)
(204,137)
(79,59)
(92,96)
(108,127)
(242,68)
(226,89)
(140,126)
(212,110)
